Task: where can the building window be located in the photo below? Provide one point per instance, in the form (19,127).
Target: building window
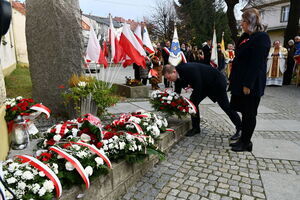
(284,13)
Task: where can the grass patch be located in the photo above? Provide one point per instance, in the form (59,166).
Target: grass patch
(18,83)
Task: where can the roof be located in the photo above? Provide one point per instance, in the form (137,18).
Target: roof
(104,20)
(19,7)
(263,3)
(85,26)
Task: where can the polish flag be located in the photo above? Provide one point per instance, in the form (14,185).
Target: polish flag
(105,48)
(94,51)
(214,51)
(147,42)
(112,38)
(138,34)
(119,52)
(132,47)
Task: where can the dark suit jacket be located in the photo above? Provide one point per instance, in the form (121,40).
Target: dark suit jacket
(205,81)
(250,64)
(207,54)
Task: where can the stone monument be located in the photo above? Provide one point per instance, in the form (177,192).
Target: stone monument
(55,48)
(2,88)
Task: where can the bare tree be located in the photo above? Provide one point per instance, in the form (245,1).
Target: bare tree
(231,18)
(162,20)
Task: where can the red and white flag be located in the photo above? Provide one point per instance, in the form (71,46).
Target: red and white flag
(147,41)
(94,51)
(117,53)
(214,51)
(138,34)
(132,47)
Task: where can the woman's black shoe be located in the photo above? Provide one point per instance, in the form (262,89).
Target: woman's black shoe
(237,135)
(192,132)
(242,147)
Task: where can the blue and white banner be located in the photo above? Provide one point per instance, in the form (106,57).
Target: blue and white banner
(176,55)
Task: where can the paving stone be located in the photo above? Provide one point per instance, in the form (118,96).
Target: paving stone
(246,197)
(174,192)
(184,194)
(194,197)
(193,190)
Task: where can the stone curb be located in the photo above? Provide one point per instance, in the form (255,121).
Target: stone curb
(124,175)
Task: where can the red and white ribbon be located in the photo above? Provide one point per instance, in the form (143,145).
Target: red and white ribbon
(93,120)
(62,128)
(44,168)
(74,162)
(170,130)
(99,152)
(194,109)
(41,108)
(137,127)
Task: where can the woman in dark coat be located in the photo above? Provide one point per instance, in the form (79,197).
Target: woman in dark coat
(248,76)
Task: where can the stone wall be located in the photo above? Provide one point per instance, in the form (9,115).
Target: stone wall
(55,49)
(2,88)
(124,175)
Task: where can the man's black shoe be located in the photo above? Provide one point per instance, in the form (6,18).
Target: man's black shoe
(192,132)
(235,143)
(236,136)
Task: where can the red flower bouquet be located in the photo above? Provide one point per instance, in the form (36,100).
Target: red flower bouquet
(171,103)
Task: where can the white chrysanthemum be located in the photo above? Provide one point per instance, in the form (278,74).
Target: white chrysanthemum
(18,173)
(41,174)
(42,191)
(55,166)
(89,170)
(69,166)
(56,138)
(115,137)
(21,185)
(11,180)
(105,142)
(122,145)
(139,147)
(76,147)
(19,98)
(85,137)
(27,175)
(82,154)
(155,130)
(110,140)
(36,187)
(111,146)
(48,185)
(105,148)
(12,167)
(99,161)
(74,132)
(82,84)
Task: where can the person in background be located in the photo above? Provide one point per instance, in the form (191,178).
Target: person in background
(221,61)
(287,76)
(207,52)
(229,56)
(165,56)
(297,59)
(200,56)
(276,64)
(247,80)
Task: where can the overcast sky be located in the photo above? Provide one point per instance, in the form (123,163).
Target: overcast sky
(128,9)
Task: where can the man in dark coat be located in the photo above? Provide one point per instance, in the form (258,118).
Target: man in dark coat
(206,81)
(207,52)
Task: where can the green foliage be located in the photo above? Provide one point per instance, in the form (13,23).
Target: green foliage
(101,94)
(18,83)
(198,18)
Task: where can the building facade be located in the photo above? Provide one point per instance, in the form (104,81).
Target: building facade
(275,14)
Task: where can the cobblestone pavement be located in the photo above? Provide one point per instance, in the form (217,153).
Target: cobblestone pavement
(204,167)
